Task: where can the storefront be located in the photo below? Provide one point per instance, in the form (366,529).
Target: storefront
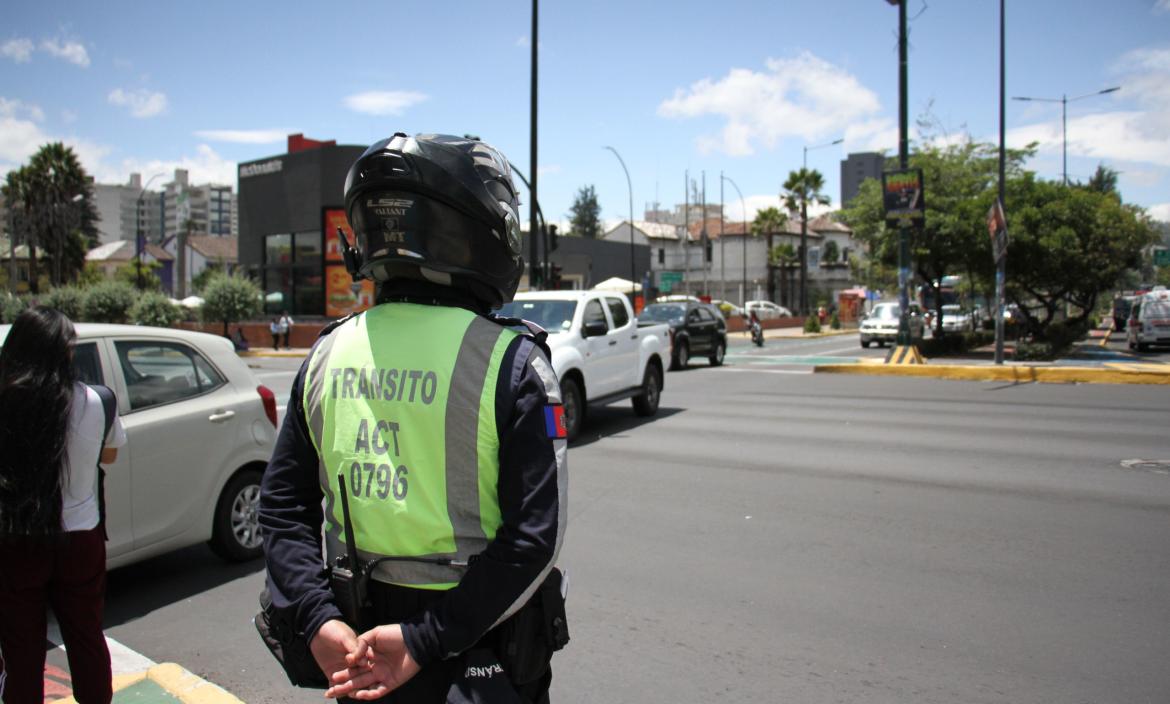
(290,207)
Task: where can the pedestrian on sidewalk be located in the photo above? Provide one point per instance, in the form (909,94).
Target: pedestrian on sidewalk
(53,431)
(285,324)
(274,329)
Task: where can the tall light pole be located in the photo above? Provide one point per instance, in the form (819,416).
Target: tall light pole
(743,206)
(139,244)
(1064,100)
(807,149)
(630,186)
(532,224)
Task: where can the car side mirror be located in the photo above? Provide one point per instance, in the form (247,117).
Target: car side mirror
(594,329)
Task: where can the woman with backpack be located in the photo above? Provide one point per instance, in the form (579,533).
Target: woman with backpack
(53,432)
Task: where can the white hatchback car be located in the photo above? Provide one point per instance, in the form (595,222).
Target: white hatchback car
(881,325)
(200,430)
(766,310)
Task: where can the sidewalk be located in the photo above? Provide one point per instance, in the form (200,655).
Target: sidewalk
(137,680)
(1087,363)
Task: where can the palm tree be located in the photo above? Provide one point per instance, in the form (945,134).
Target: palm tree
(803,187)
(784,256)
(62,209)
(769,221)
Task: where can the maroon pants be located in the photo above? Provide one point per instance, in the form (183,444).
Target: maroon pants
(70,576)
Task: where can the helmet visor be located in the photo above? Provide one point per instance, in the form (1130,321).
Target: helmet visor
(409,227)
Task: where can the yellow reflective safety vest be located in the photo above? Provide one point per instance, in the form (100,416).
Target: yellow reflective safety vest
(400,400)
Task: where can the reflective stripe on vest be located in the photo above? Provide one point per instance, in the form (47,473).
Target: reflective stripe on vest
(412,426)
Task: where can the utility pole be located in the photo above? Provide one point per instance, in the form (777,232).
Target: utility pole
(903,163)
(686,238)
(722,266)
(533,231)
(1001,262)
(703,235)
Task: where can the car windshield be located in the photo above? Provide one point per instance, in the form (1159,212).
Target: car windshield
(1157,309)
(552,315)
(887,312)
(662,312)
(951,310)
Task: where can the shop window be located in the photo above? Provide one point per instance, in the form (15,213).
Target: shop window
(278,250)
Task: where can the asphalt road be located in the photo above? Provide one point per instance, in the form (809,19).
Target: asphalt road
(774,535)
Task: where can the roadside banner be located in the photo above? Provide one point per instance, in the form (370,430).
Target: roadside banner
(997,230)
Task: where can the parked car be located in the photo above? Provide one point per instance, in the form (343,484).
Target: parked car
(881,325)
(601,353)
(955,319)
(696,329)
(766,310)
(728,309)
(1149,320)
(200,430)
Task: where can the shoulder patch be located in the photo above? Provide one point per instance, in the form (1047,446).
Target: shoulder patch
(554,421)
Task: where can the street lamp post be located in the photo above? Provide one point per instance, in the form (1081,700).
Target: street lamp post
(807,149)
(139,245)
(629,185)
(743,206)
(1064,100)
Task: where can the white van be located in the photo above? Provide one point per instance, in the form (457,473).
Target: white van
(1149,320)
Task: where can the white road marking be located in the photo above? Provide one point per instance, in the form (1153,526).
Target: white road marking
(767,371)
(123,660)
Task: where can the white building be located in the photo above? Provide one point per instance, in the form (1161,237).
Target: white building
(120,209)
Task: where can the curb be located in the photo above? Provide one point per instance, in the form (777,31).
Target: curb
(177,682)
(1016,373)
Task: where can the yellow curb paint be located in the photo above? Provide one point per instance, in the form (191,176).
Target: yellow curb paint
(1013,373)
(187,687)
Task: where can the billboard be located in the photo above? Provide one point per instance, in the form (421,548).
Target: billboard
(902,195)
(341,298)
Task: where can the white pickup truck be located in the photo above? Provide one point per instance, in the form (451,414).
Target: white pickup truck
(599,351)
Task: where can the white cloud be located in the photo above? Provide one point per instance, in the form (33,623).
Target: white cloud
(1161,211)
(13,108)
(272,136)
(68,116)
(383,102)
(205,166)
(142,103)
(19,50)
(1162,6)
(804,97)
(20,139)
(71,51)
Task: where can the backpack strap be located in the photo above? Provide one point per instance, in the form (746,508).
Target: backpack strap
(110,409)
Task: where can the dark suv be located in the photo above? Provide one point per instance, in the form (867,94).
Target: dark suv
(695,329)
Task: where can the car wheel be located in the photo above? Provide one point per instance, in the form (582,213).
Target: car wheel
(681,355)
(1143,347)
(865,344)
(716,357)
(235,533)
(574,402)
(646,403)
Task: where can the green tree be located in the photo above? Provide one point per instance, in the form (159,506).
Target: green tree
(109,302)
(1069,244)
(585,214)
(70,300)
(128,273)
(53,210)
(960,181)
(1104,180)
(802,187)
(155,309)
(230,299)
(784,258)
(830,252)
(200,280)
(768,222)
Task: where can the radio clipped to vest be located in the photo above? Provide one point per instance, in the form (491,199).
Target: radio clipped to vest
(349,576)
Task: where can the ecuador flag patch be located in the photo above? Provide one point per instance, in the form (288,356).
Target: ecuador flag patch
(554,421)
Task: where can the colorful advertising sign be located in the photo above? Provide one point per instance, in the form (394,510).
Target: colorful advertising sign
(902,194)
(340,297)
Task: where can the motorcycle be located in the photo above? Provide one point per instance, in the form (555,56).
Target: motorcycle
(757,333)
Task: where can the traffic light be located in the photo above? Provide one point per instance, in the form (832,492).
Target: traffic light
(554,276)
(552,238)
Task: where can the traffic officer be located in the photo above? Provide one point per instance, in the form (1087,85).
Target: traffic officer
(444,424)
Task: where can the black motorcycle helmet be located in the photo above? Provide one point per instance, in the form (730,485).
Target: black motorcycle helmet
(437,208)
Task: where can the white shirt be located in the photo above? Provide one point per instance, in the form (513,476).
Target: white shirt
(79,502)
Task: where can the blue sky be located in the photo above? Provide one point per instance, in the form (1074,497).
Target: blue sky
(738,87)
